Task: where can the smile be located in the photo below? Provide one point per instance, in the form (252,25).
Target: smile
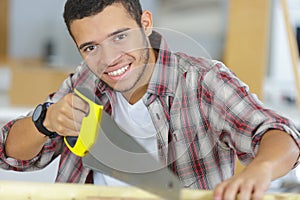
(119,71)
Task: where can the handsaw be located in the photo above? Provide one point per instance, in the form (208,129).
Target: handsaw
(107,149)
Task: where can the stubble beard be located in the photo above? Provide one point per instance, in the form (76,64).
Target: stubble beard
(145,60)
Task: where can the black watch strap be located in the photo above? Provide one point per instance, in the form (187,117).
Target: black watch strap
(38,118)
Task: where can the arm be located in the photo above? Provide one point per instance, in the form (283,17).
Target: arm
(24,141)
(20,140)
(276,156)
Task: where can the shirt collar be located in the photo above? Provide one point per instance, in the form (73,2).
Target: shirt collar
(163,80)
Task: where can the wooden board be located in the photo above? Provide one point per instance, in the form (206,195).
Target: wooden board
(31,83)
(247,41)
(62,191)
(3,28)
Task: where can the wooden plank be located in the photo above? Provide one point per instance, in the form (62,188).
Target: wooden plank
(247,41)
(31,83)
(3,28)
(64,191)
(59,191)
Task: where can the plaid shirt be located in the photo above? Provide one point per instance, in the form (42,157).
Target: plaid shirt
(202,113)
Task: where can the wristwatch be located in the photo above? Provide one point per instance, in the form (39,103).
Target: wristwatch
(38,117)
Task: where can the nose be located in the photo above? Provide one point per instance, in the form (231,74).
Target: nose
(109,54)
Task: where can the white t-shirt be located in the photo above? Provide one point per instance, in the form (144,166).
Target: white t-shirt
(135,120)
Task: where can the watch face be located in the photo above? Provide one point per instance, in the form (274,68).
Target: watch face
(37,113)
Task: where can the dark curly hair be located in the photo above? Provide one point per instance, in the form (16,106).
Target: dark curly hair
(78,9)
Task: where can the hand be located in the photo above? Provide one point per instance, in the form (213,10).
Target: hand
(251,183)
(65,116)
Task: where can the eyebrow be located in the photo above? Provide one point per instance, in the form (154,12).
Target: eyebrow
(109,35)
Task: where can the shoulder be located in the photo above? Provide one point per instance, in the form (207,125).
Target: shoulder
(82,76)
(201,66)
(207,72)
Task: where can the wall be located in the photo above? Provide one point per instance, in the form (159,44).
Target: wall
(280,61)
(204,21)
(279,83)
(35,22)
(32,24)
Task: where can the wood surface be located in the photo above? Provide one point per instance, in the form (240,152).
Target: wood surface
(31,82)
(3,28)
(247,41)
(61,191)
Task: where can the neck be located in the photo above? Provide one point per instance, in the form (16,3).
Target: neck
(134,96)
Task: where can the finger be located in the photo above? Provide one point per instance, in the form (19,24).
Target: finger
(66,126)
(77,116)
(231,191)
(245,192)
(71,112)
(219,190)
(79,104)
(69,115)
(69,132)
(258,193)
(69,118)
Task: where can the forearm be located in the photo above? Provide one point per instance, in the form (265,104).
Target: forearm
(278,152)
(24,141)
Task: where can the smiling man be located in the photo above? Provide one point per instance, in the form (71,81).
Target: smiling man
(193,114)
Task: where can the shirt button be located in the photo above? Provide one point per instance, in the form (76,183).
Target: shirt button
(157,115)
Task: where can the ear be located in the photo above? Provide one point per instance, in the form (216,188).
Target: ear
(146,21)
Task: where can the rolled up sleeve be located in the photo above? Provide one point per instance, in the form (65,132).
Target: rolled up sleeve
(246,119)
(47,154)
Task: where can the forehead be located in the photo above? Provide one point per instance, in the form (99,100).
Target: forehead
(98,26)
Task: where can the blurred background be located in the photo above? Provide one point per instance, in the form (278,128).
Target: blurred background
(252,37)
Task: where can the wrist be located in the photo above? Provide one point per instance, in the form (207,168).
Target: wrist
(267,167)
(38,119)
(47,120)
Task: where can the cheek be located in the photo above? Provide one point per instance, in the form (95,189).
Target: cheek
(97,71)
(138,44)
(144,56)
(140,55)
(97,67)
(100,72)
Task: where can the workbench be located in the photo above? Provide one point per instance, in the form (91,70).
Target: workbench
(64,191)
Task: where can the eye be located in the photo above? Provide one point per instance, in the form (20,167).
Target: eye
(120,37)
(90,49)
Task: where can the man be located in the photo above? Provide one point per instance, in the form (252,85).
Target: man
(199,113)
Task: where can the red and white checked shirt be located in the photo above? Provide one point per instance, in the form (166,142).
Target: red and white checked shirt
(204,116)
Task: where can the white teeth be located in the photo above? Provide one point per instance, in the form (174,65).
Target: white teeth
(118,72)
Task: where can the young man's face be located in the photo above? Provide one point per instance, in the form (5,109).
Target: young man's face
(115,47)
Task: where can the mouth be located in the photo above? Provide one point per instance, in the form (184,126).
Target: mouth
(119,71)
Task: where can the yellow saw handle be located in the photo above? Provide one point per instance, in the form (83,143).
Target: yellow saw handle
(89,128)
